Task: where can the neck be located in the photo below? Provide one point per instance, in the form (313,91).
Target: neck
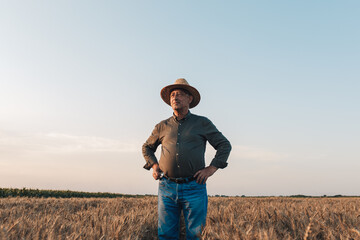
(180,114)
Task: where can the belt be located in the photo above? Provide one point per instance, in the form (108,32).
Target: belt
(180,180)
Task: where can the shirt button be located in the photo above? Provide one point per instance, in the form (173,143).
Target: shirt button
(177,143)
(178,165)
(178,133)
(177,154)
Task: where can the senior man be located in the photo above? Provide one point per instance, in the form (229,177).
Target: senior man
(181,170)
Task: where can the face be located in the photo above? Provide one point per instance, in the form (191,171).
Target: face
(180,100)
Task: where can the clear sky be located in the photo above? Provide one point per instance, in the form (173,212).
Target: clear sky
(80,89)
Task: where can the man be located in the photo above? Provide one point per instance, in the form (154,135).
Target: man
(181,170)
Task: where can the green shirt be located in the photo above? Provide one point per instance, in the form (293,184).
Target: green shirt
(183,145)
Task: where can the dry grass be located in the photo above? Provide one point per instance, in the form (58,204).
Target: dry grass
(37,218)
(136,218)
(283,218)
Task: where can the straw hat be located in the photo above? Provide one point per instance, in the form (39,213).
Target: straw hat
(182,84)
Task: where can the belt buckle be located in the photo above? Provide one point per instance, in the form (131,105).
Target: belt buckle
(179,181)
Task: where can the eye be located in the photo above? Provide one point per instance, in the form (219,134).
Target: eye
(179,94)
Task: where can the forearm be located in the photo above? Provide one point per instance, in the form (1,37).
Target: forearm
(150,160)
(148,151)
(220,143)
(149,148)
(222,154)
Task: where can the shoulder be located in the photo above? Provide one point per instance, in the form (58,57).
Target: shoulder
(164,123)
(201,119)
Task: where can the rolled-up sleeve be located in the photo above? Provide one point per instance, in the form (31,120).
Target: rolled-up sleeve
(219,142)
(149,148)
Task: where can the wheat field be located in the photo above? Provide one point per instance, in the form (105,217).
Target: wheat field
(136,218)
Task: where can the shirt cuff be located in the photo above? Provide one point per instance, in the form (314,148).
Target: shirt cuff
(148,165)
(219,164)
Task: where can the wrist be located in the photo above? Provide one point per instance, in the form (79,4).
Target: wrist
(213,168)
(155,166)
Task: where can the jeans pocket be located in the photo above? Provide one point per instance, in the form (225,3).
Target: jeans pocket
(196,186)
(162,182)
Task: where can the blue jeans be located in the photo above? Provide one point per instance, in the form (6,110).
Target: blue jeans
(189,197)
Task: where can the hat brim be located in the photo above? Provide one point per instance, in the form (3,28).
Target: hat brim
(165,93)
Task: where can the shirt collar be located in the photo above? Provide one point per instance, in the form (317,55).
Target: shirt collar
(185,118)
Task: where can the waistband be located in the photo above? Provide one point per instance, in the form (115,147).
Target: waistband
(180,180)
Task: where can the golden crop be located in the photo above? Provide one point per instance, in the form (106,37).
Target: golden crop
(136,218)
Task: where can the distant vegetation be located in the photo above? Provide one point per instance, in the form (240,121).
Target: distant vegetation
(323,196)
(24,192)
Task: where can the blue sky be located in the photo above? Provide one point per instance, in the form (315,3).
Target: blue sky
(80,91)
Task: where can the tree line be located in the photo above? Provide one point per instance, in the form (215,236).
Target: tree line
(25,192)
